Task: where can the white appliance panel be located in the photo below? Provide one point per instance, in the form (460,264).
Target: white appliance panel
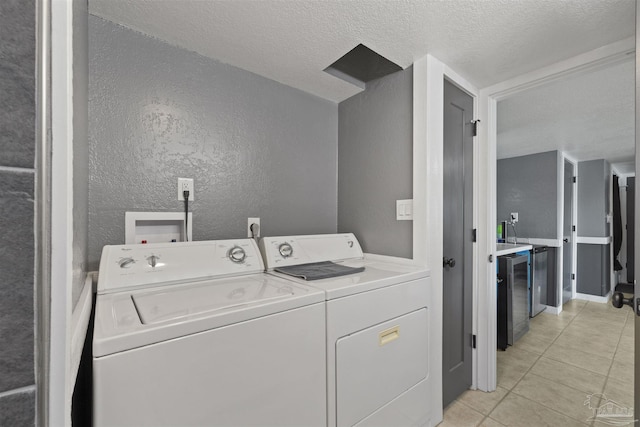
(389,288)
(125,267)
(376,274)
(406,410)
(375,365)
(267,371)
(308,249)
(178,310)
(179,302)
(360,311)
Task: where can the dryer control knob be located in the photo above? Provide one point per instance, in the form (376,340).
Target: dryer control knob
(237,254)
(153,260)
(126,262)
(285,250)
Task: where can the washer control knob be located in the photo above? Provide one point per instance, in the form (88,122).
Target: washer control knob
(285,250)
(126,262)
(153,260)
(237,254)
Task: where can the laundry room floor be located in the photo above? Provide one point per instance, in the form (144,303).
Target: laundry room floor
(559,373)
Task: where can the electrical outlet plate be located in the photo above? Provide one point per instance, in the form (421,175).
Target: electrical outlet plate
(251,221)
(514,217)
(185,184)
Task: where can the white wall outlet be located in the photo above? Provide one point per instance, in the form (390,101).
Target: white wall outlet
(514,217)
(185,184)
(250,222)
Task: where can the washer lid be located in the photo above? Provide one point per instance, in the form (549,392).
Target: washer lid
(136,318)
(172,303)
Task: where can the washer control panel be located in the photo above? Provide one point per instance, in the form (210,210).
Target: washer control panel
(145,265)
(237,254)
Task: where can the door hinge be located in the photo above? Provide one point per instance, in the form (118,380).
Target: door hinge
(573,228)
(474,127)
(575,179)
(573,276)
(475,235)
(473,341)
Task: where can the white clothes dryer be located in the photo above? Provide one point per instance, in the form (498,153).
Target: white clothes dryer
(378,327)
(196,334)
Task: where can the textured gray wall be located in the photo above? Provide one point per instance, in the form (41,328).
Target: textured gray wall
(593,198)
(80,145)
(374,169)
(529,185)
(17,147)
(255,148)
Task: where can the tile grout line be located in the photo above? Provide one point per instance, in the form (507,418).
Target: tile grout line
(19,390)
(17,169)
(606,376)
(563,329)
(509,391)
(606,381)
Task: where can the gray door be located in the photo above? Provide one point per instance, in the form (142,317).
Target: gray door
(567,248)
(631,227)
(458,240)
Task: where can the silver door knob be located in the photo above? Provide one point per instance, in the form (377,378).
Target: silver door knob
(448,262)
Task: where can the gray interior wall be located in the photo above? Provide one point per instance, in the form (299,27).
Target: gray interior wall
(80,145)
(593,269)
(17,147)
(254,147)
(593,198)
(375,164)
(528,185)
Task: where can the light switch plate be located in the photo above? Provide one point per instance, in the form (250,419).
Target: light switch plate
(404,210)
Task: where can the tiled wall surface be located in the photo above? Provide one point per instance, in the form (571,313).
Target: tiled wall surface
(17,146)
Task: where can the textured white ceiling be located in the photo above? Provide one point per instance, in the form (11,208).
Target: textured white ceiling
(486,41)
(588,116)
(292,41)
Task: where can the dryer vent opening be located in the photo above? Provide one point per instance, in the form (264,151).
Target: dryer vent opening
(361,65)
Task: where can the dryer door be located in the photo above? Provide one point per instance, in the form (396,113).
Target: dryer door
(377,364)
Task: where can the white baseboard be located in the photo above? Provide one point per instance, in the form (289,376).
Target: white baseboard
(594,298)
(79,326)
(553,310)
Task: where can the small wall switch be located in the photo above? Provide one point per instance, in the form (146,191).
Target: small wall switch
(185,184)
(404,210)
(514,217)
(250,222)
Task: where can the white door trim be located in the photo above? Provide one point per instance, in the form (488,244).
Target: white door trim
(428,135)
(60,388)
(612,53)
(574,220)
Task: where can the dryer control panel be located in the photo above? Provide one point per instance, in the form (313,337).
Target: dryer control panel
(136,266)
(294,250)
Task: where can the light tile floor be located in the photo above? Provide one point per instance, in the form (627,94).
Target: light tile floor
(548,376)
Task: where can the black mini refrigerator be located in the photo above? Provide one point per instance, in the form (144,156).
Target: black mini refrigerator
(513,299)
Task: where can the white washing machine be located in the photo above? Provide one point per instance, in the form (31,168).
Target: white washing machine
(378,327)
(196,334)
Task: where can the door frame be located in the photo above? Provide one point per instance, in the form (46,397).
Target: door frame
(574,234)
(428,147)
(619,51)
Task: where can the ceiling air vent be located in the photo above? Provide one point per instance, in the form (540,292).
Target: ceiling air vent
(361,65)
